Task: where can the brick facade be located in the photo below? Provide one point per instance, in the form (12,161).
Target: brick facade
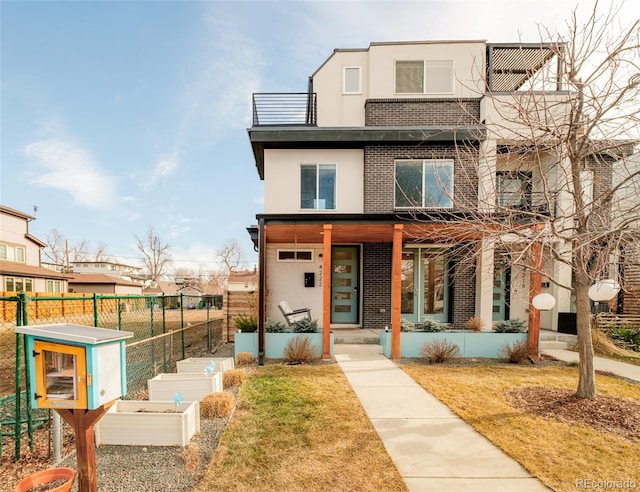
(376,288)
(379,173)
(422,112)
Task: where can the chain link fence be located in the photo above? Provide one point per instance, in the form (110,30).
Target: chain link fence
(166,329)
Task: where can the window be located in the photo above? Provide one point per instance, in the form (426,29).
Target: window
(12,253)
(351,80)
(424,183)
(15,284)
(53,286)
(424,77)
(295,255)
(514,190)
(318,186)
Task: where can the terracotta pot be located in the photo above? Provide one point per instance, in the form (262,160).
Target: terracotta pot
(46,476)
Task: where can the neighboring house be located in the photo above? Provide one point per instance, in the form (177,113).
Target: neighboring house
(103,284)
(20,267)
(112,268)
(243,281)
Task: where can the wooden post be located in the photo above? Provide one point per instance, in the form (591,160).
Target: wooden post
(82,422)
(396,290)
(535,287)
(326,292)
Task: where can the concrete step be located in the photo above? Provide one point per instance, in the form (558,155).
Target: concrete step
(553,344)
(356,337)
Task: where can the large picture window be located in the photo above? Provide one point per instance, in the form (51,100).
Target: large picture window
(424,77)
(425,183)
(318,186)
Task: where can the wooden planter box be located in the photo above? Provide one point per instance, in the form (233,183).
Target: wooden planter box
(199,364)
(471,344)
(148,423)
(192,386)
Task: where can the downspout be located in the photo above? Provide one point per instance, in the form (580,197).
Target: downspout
(261,290)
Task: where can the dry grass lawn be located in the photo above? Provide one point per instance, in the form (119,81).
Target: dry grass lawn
(565,446)
(300,428)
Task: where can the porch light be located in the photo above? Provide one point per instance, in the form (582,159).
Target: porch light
(604,290)
(543,302)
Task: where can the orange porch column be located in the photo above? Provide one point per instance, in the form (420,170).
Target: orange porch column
(396,284)
(326,292)
(535,287)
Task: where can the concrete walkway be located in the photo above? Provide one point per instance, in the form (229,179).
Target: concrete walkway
(601,364)
(433,449)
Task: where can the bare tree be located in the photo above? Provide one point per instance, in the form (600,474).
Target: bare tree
(101,252)
(231,255)
(55,248)
(546,171)
(80,252)
(156,254)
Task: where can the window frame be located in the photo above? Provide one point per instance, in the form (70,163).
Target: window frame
(296,255)
(13,252)
(23,280)
(448,192)
(316,199)
(426,64)
(344,79)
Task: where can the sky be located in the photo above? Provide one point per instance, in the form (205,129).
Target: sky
(120,116)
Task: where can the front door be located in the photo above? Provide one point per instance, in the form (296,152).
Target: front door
(345,276)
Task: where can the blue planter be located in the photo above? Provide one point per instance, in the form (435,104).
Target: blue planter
(275,343)
(481,344)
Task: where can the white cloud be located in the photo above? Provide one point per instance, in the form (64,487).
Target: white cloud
(64,165)
(182,226)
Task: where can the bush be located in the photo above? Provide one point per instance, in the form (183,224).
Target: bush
(248,323)
(439,351)
(245,358)
(215,405)
(517,352)
(233,377)
(510,326)
(272,326)
(626,337)
(300,350)
(406,325)
(474,324)
(305,326)
(191,457)
(432,326)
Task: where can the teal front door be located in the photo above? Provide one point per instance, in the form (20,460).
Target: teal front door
(345,277)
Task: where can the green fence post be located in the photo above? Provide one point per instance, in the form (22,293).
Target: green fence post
(208,329)
(164,319)
(182,321)
(152,305)
(119,315)
(17,425)
(95,309)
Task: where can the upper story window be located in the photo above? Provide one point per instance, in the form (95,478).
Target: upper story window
(12,252)
(514,189)
(318,186)
(424,76)
(424,183)
(351,81)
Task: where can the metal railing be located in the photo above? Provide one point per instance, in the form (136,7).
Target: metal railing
(284,109)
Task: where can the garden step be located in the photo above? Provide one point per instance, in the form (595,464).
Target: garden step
(553,344)
(356,337)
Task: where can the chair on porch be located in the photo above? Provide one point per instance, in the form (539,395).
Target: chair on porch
(293,315)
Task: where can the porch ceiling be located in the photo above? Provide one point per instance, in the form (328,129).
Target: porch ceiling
(367,233)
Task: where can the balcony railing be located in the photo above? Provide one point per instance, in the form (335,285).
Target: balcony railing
(283,109)
(534,204)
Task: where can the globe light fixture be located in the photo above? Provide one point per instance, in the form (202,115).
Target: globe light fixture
(543,302)
(604,290)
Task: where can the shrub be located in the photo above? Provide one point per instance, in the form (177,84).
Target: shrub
(432,326)
(474,324)
(510,326)
(191,457)
(248,323)
(245,358)
(517,352)
(234,377)
(627,337)
(272,326)
(439,351)
(215,405)
(406,325)
(300,350)
(305,326)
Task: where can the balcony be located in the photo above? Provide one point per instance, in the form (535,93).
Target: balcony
(284,109)
(527,206)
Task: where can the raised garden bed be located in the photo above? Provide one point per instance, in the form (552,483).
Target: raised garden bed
(192,386)
(149,423)
(275,343)
(200,364)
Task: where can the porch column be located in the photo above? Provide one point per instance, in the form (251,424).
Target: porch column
(326,292)
(396,290)
(535,287)
(484,282)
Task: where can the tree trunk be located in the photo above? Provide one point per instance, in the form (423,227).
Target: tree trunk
(587,377)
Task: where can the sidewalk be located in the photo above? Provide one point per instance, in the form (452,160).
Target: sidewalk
(601,364)
(433,449)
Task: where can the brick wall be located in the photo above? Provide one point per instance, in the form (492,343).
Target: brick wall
(631,273)
(464,292)
(376,291)
(379,173)
(422,112)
